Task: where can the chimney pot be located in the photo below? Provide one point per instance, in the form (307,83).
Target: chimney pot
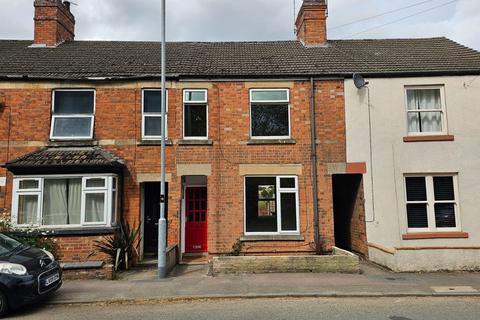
(311,24)
(54,23)
(67,5)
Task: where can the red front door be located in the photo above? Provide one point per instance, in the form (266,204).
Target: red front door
(196,219)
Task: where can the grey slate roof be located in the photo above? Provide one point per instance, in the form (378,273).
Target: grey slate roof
(91,59)
(48,160)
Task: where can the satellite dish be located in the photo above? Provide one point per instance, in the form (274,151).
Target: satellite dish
(359,81)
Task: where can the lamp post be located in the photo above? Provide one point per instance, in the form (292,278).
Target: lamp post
(162,222)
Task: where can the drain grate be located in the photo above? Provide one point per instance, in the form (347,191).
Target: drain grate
(395,279)
(454,289)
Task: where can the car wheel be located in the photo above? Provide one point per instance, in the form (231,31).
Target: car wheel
(3,304)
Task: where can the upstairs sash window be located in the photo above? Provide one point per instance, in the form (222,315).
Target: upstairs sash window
(269,113)
(425,111)
(152,114)
(195,114)
(73,114)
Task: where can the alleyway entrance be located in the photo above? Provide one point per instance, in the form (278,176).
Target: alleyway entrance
(349,213)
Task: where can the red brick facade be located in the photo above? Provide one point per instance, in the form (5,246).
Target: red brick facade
(25,122)
(358,225)
(26,126)
(54,23)
(311,24)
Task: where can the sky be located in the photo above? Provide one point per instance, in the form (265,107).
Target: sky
(253,20)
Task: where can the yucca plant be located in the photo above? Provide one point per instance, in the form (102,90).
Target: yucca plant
(121,246)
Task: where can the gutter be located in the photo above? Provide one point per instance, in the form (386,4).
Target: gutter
(316,219)
(270,77)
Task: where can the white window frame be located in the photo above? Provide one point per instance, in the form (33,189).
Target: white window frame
(91,117)
(198,103)
(96,190)
(278,205)
(107,190)
(153,114)
(115,201)
(431,203)
(267,102)
(443,110)
(19,192)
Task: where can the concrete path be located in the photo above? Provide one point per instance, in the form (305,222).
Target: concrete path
(192,282)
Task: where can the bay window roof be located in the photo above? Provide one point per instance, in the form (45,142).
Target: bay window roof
(66,160)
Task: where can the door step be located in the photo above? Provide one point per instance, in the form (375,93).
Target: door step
(148,262)
(194,259)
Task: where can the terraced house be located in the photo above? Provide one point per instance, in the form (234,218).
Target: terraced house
(271,148)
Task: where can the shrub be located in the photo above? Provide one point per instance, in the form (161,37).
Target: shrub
(30,236)
(237,248)
(35,238)
(121,246)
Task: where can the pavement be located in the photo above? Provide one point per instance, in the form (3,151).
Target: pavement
(191,282)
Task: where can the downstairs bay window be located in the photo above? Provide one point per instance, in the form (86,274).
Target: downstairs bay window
(271,205)
(66,201)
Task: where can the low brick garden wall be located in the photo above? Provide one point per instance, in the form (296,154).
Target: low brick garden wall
(103,273)
(340,261)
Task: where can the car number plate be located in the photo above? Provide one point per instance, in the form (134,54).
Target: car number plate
(52,279)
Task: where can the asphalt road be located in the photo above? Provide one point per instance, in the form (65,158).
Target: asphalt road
(266,309)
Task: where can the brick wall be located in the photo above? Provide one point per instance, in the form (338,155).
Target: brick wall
(54,23)
(78,248)
(331,148)
(311,23)
(358,225)
(118,129)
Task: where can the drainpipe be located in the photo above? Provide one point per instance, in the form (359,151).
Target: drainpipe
(316,222)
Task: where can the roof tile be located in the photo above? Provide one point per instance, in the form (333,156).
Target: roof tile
(100,59)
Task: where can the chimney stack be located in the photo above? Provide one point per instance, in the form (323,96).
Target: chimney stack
(54,23)
(311,24)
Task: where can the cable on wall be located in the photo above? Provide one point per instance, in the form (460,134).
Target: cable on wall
(371,153)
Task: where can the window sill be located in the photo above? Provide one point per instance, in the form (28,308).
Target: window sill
(87,231)
(72,143)
(168,142)
(429,138)
(82,265)
(271,141)
(276,237)
(187,142)
(435,235)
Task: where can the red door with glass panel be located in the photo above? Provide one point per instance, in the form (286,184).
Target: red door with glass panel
(196,219)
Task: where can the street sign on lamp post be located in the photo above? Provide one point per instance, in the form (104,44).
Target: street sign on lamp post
(162,222)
